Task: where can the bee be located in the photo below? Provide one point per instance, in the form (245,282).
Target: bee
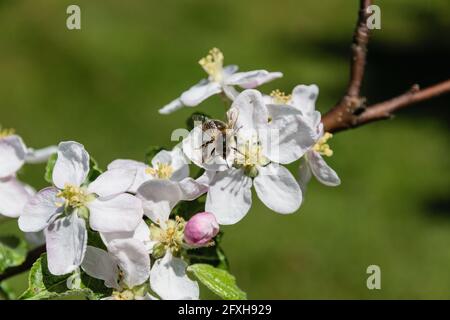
(218,136)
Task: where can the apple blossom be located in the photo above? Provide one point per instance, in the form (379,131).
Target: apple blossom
(168,278)
(171,165)
(62,210)
(13,155)
(268,135)
(304,98)
(220,80)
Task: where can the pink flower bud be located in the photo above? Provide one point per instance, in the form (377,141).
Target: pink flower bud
(200,229)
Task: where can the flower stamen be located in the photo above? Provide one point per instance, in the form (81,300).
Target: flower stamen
(279,97)
(169,237)
(6,132)
(162,171)
(322,146)
(249,156)
(213,64)
(74,196)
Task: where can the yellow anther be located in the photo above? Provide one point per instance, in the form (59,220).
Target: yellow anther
(249,155)
(170,237)
(123,295)
(162,171)
(213,64)
(74,197)
(322,146)
(279,97)
(6,132)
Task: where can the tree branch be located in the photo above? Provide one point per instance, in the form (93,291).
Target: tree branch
(351,111)
(32,256)
(384,110)
(352,101)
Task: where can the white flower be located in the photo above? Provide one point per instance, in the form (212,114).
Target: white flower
(170,165)
(13,154)
(168,278)
(266,136)
(61,210)
(220,79)
(304,99)
(125,267)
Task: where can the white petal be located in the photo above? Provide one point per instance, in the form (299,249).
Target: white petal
(191,189)
(176,160)
(40,210)
(99,264)
(140,167)
(72,165)
(249,112)
(321,170)
(171,107)
(133,260)
(304,98)
(200,92)
(206,178)
(40,155)
(121,213)
(304,174)
(252,79)
(13,197)
(179,164)
(230,92)
(66,244)
(277,189)
(290,134)
(229,70)
(158,198)
(229,197)
(169,280)
(163,156)
(113,182)
(12,155)
(142,234)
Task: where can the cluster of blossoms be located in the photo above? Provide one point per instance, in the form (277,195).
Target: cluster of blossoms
(131,205)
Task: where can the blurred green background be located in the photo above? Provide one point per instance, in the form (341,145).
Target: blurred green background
(102,86)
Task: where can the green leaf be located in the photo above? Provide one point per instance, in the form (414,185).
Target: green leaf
(209,255)
(196,116)
(43,285)
(94,289)
(49,168)
(13,252)
(218,281)
(151,152)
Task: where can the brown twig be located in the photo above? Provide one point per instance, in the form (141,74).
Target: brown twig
(352,101)
(384,110)
(32,256)
(351,111)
